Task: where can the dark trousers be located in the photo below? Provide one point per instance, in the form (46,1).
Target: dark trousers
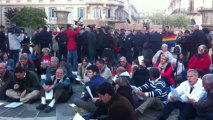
(14,54)
(60,95)
(186,110)
(62,52)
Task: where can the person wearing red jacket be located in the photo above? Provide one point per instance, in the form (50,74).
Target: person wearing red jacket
(72,45)
(165,69)
(201,60)
(123,62)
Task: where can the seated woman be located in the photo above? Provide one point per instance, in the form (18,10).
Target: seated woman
(59,85)
(45,60)
(82,70)
(164,50)
(9,62)
(178,70)
(165,69)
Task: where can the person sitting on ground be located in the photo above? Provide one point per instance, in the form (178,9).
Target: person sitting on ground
(60,85)
(201,60)
(119,107)
(82,70)
(7,80)
(141,74)
(164,50)
(26,63)
(178,70)
(68,68)
(154,92)
(95,81)
(54,64)
(182,97)
(121,72)
(9,62)
(204,106)
(104,70)
(165,69)
(26,86)
(122,63)
(45,60)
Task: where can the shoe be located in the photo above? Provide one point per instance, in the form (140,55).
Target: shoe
(12,100)
(41,107)
(48,109)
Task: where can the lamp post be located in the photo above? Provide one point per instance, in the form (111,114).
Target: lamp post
(62,18)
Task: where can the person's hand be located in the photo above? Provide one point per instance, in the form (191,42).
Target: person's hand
(23,94)
(140,93)
(192,101)
(46,88)
(95,99)
(16,86)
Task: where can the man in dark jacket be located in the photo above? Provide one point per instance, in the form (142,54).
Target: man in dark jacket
(44,39)
(2,39)
(95,81)
(6,80)
(119,108)
(204,106)
(26,87)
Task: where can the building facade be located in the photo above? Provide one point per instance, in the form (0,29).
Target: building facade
(191,8)
(111,11)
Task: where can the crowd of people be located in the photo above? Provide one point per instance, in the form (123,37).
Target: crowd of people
(107,63)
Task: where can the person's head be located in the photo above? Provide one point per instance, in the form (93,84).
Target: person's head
(121,81)
(192,76)
(195,27)
(85,61)
(92,70)
(123,61)
(23,60)
(63,61)
(44,28)
(5,56)
(3,68)
(45,51)
(105,92)
(164,47)
(120,70)
(154,73)
(164,59)
(166,28)
(19,72)
(186,33)
(54,61)
(208,82)
(60,72)
(180,33)
(1,28)
(100,63)
(202,49)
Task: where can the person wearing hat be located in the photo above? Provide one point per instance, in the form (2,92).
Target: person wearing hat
(45,60)
(164,50)
(122,62)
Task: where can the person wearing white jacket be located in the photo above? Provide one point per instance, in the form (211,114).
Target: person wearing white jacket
(15,45)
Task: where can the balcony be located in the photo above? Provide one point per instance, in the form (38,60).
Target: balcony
(106,3)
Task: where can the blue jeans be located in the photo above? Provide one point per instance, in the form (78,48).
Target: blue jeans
(72,58)
(14,54)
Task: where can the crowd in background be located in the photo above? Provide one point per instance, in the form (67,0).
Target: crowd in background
(104,55)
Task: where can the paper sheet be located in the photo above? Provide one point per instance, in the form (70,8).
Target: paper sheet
(89,91)
(49,95)
(1,103)
(14,105)
(140,59)
(78,117)
(43,76)
(72,105)
(175,95)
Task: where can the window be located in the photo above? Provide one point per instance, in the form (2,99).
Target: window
(109,13)
(69,0)
(71,14)
(7,1)
(97,12)
(18,1)
(40,0)
(29,0)
(81,12)
(52,0)
(52,13)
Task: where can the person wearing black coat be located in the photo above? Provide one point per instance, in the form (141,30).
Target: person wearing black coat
(44,39)
(2,39)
